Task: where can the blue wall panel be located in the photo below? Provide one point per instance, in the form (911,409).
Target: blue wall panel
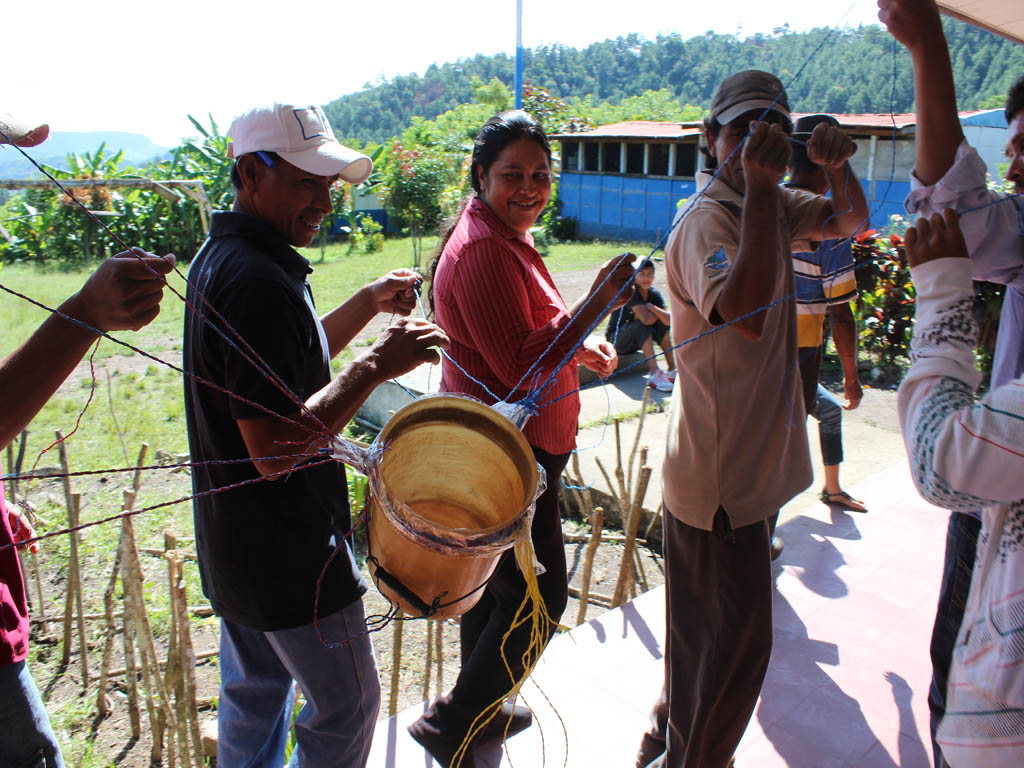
(632,207)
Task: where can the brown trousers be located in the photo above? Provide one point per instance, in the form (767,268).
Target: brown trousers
(718,601)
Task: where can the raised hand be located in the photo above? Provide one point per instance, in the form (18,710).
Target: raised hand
(614,274)
(395,291)
(599,356)
(936,238)
(912,22)
(765,155)
(829,147)
(124,292)
(406,344)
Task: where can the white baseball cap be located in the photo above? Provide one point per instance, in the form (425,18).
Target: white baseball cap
(302,136)
(21,132)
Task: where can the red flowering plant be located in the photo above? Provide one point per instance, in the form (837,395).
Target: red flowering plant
(887,302)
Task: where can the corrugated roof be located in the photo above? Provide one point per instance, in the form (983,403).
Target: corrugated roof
(642,129)
(1004,17)
(636,129)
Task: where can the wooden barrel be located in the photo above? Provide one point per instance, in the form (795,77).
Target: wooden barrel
(453,486)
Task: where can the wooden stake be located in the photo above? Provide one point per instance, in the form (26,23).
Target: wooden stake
(188,658)
(131,676)
(65,653)
(439,646)
(396,662)
(430,660)
(110,630)
(596,525)
(623,585)
(83,646)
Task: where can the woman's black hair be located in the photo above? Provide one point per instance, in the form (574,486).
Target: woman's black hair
(496,134)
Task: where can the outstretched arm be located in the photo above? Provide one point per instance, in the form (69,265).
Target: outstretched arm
(122,294)
(393,292)
(401,348)
(916,24)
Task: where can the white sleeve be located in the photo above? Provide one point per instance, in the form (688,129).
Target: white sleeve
(993,233)
(963,454)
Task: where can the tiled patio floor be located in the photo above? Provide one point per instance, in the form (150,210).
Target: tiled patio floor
(848,681)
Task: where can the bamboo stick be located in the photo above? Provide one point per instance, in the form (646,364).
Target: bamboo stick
(596,524)
(188,656)
(439,645)
(429,664)
(65,653)
(623,585)
(83,646)
(111,633)
(131,677)
(597,598)
(174,679)
(396,662)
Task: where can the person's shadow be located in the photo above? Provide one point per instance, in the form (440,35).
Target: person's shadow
(796,661)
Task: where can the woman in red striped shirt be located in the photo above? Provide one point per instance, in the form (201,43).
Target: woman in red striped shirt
(492,294)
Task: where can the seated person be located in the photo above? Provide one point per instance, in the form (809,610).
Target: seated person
(643,321)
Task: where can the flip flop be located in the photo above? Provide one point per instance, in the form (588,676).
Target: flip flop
(843,500)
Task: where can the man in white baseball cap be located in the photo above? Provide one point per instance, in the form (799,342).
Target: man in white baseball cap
(122,294)
(290,613)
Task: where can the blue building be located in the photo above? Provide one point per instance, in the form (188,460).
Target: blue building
(625,180)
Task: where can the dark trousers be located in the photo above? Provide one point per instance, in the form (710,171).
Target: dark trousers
(718,601)
(484,678)
(961,547)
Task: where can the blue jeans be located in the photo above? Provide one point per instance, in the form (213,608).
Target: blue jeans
(961,546)
(829,414)
(341,686)
(26,738)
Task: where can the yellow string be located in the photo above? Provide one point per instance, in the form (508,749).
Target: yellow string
(538,620)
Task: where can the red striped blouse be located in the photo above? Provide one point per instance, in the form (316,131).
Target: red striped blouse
(497,302)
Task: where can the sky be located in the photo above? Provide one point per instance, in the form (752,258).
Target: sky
(142,67)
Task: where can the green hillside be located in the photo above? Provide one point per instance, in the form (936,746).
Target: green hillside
(852,72)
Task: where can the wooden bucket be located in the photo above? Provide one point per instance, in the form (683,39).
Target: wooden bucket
(453,487)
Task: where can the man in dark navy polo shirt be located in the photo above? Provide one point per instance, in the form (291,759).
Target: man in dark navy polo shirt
(262,546)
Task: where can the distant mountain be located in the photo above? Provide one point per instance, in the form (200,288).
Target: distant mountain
(138,150)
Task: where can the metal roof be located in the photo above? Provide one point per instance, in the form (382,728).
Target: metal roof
(652,130)
(1004,17)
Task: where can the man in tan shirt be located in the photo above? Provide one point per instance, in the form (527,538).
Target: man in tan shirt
(738,450)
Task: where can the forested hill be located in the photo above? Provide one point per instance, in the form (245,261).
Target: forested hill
(853,73)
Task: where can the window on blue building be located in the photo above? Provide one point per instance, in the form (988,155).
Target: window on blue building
(570,155)
(635,158)
(591,152)
(657,160)
(686,160)
(612,154)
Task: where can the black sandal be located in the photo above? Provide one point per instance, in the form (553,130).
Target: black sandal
(843,500)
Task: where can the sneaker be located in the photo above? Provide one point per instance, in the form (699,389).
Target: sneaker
(660,381)
(671,373)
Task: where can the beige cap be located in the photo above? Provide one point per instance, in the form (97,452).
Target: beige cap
(24,134)
(746,91)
